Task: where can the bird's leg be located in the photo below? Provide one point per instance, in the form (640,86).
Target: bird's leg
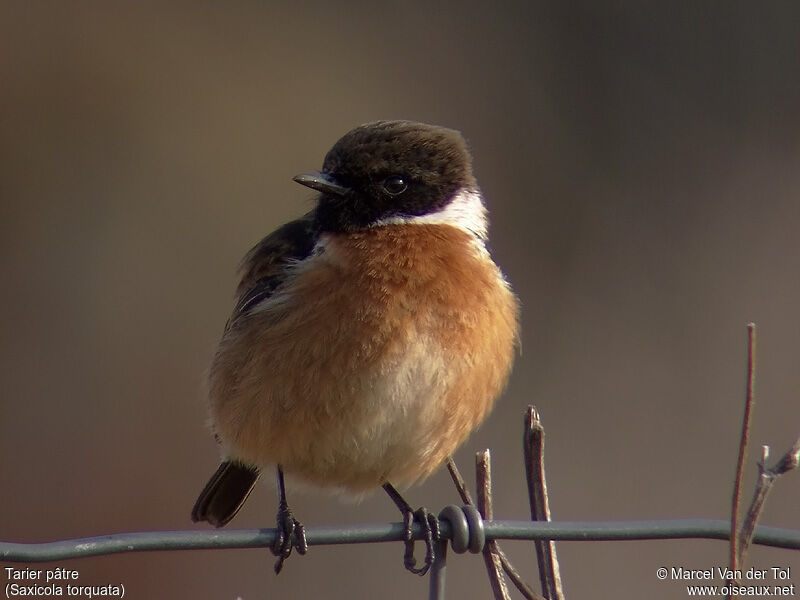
(290,532)
(430,527)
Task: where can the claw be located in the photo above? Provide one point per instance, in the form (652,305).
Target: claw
(430,529)
(290,533)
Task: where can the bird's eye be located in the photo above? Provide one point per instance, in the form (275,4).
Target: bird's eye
(394,185)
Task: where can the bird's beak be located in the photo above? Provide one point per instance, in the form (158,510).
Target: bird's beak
(322,182)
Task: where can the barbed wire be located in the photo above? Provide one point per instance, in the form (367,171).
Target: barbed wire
(388,532)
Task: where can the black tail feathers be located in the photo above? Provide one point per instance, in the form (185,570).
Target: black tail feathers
(225,493)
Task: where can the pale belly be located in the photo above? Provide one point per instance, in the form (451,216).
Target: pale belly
(349,381)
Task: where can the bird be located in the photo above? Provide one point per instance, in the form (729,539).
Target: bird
(369,337)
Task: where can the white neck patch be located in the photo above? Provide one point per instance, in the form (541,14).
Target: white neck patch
(465,211)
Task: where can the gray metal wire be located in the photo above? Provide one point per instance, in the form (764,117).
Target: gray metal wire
(388,532)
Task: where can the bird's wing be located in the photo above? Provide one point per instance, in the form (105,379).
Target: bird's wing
(264,268)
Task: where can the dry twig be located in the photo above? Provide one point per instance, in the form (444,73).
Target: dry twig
(742,535)
(735,556)
(510,570)
(766,479)
(540,509)
(483,474)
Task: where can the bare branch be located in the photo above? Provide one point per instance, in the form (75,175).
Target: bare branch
(766,479)
(533,441)
(490,556)
(789,461)
(526,590)
(459,482)
(735,557)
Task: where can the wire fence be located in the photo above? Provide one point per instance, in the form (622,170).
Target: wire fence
(490,530)
(472,527)
(389,532)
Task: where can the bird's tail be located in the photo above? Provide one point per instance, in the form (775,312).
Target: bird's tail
(225,493)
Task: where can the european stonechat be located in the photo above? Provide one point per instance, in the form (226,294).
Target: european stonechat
(369,337)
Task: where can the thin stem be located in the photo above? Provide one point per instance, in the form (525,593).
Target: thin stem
(524,589)
(766,479)
(491,558)
(735,556)
(533,441)
(459,482)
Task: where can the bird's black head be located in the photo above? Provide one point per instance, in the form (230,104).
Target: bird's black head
(389,169)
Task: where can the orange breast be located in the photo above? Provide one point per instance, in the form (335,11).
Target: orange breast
(374,363)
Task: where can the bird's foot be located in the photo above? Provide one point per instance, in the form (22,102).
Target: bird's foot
(290,534)
(430,529)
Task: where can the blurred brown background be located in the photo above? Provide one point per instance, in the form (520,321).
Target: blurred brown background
(640,162)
